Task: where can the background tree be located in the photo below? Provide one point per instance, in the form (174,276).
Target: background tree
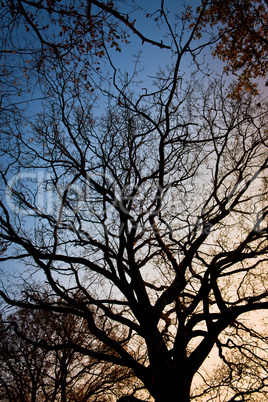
(155,228)
(34,368)
(241,38)
(23,367)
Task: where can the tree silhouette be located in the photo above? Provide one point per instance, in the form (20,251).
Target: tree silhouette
(22,367)
(154,229)
(33,368)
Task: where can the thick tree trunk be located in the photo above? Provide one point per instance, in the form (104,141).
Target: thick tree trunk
(172,393)
(170,385)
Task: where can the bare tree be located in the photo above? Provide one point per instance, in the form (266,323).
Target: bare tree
(155,227)
(23,367)
(34,368)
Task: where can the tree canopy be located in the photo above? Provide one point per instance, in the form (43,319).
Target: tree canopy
(139,198)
